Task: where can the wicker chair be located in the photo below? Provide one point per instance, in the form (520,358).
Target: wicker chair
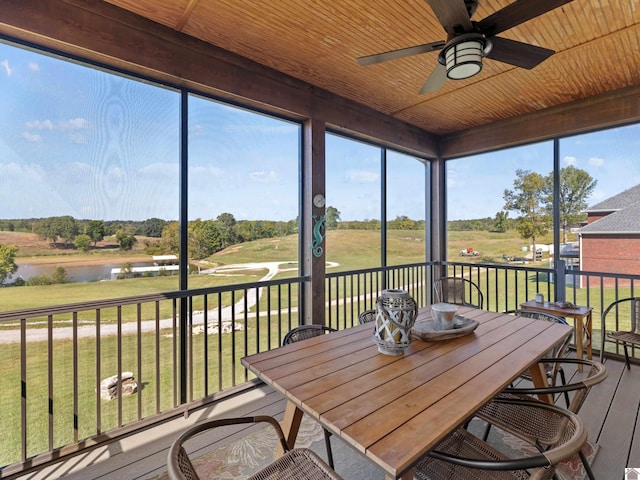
(305,331)
(552,369)
(629,308)
(296,464)
(302,333)
(367,316)
(535,425)
(462,455)
(459,291)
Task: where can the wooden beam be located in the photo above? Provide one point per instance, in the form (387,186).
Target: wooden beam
(603,111)
(100,32)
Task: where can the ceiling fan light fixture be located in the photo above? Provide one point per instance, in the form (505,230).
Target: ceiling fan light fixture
(463,55)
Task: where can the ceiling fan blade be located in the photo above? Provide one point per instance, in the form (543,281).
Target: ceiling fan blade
(452,14)
(516,13)
(516,53)
(435,80)
(400,53)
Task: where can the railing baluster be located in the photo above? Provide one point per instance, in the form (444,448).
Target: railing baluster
(233,338)
(189,334)
(174,351)
(50,378)
(139,378)
(157,343)
(98,373)
(220,344)
(119,362)
(23,386)
(75,376)
(205,343)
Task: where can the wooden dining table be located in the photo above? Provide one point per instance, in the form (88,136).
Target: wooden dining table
(395,408)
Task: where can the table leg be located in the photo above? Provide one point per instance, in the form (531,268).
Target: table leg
(407,476)
(290,425)
(539,378)
(579,328)
(588,331)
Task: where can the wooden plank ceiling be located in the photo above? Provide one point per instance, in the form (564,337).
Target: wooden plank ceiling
(597,44)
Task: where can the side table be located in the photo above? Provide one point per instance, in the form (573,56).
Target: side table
(582,317)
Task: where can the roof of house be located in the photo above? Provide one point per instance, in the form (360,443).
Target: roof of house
(624,216)
(617,202)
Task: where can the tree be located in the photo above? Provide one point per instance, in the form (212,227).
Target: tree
(204,238)
(95,230)
(227,227)
(152,227)
(52,228)
(529,198)
(46,230)
(126,240)
(402,222)
(7,261)
(500,223)
(331,218)
(67,227)
(575,186)
(59,275)
(83,242)
(171,237)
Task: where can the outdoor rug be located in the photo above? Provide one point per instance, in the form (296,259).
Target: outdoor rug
(239,459)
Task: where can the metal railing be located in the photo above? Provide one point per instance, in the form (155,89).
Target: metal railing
(57,357)
(505,287)
(351,292)
(60,391)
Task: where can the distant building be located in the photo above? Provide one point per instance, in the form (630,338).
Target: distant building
(610,242)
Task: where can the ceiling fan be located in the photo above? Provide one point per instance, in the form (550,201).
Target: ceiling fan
(469,41)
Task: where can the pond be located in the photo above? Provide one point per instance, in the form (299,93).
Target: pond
(79,273)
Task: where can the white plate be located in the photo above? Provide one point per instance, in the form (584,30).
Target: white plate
(426,329)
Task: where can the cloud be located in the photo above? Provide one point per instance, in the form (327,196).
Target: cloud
(209,171)
(570,160)
(39,125)
(362,176)
(160,170)
(31,137)
(7,68)
(596,162)
(74,124)
(264,177)
(73,128)
(29,174)
(34,67)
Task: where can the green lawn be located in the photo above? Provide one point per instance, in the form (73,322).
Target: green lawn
(209,374)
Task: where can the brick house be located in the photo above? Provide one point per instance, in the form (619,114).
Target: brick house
(610,242)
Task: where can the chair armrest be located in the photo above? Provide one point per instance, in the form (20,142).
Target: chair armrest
(569,444)
(177,459)
(598,374)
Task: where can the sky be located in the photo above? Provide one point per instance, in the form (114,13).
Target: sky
(610,157)
(82,142)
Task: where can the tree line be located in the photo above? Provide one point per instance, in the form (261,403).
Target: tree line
(531,197)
